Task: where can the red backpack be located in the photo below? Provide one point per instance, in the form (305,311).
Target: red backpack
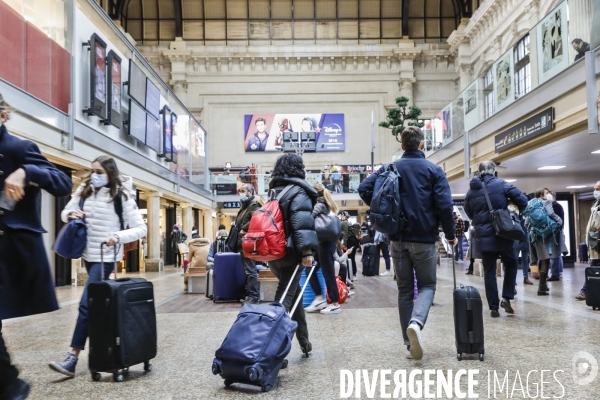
(265,240)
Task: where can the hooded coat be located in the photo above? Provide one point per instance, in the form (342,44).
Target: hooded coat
(198,255)
(242,220)
(26,283)
(476,207)
(297,208)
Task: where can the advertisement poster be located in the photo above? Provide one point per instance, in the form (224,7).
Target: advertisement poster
(504,80)
(100,72)
(353,183)
(442,125)
(181,144)
(471,105)
(167,134)
(264,132)
(116,85)
(197,134)
(313,179)
(552,46)
(458,117)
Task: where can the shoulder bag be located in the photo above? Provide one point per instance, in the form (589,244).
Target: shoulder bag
(328,227)
(506,223)
(72,238)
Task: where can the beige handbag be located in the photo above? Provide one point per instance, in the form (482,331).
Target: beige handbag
(535,271)
(183,248)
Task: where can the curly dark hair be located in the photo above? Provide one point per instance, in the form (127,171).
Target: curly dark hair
(289,164)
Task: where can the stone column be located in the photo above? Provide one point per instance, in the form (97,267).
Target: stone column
(580,21)
(406,53)
(154,263)
(180,90)
(208,224)
(405,85)
(188,219)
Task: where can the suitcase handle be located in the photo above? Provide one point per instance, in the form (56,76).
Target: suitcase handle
(453,265)
(312,269)
(102,261)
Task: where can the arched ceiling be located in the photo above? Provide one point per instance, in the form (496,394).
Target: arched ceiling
(288,21)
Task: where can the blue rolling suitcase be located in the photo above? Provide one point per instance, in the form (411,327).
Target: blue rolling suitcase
(229,278)
(255,348)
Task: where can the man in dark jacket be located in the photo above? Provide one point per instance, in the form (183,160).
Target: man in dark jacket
(297,207)
(26,283)
(427,203)
(242,221)
(580,47)
(488,244)
(177,237)
(556,264)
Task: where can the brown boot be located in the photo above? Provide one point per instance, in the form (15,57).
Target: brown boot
(526,281)
(543,288)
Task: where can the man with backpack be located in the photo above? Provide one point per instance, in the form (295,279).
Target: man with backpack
(425,199)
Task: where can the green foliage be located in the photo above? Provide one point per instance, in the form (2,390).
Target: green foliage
(399,118)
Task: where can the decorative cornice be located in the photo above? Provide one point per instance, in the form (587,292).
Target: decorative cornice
(179,85)
(406,83)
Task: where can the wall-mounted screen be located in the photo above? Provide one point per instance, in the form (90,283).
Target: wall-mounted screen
(137,84)
(152,133)
(167,134)
(152,98)
(97,77)
(264,132)
(114,89)
(137,122)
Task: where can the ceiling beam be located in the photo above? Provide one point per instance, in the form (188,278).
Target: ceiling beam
(405,12)
(177,9)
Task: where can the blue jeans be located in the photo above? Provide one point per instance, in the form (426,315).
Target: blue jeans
(509,259)
(556,266)
(420,257)
(525,262)
(81,328)
(458,251)
(385,252)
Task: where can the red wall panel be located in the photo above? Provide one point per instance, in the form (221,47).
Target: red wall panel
(61,76)
(13,45)
(37,64)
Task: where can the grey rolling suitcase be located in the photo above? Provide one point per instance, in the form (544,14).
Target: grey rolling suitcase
(210,283)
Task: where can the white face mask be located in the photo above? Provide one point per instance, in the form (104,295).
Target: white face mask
(99,181)
(597,194)
(549,197)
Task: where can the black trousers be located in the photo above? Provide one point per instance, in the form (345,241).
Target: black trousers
(8,373)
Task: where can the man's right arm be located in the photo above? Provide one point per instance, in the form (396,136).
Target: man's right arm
(443,204)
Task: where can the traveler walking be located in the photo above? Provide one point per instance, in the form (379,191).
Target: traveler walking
(546,238)
(26,284)
(383,246)
(488,244)
(177,237)
(249,205)
(591,237)
(460,235)
(296,206)
(556,263)
(98,194)
(428,203)
(523,247)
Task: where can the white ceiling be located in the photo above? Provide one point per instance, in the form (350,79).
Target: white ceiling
(574,152)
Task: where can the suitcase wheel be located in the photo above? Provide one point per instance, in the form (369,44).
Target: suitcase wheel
(117,376)
(481,356)
(266,388)
(253,374)
(284,365)
(96,376)
(216,369)
(228,382)
(459,356)
(147,366)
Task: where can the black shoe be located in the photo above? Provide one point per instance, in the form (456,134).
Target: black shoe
(17,391)
(495,313)
(553,279)
(505,303)
(469,273)
(307,348)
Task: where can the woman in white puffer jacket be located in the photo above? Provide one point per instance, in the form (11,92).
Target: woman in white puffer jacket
(103,226)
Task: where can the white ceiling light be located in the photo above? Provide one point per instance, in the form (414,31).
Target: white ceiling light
(458,194)
(551,167)
(510,180)
(596,152)
(576,187)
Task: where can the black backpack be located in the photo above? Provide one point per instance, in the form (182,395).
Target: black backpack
(386,206)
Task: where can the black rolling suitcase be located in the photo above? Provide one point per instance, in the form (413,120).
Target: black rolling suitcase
(122,324)
(370,260)
(468,319)
(592,287)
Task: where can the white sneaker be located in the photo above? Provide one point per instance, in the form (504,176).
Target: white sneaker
(386,273)
(408,355)
(414,335)
(331,309)
(350,293)
(316,305)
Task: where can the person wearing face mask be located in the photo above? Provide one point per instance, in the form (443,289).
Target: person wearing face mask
(556,263)
(94,202)
(593,227)
(248,206)
(26,282)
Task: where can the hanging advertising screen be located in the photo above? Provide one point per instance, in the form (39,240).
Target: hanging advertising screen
(471,106)
(167,117)
(137,122)
(552,43)
(97,76)
(114,89)
(152,98)
(137,84)
(264,132)
(504,91)
(152,133)
(181,144)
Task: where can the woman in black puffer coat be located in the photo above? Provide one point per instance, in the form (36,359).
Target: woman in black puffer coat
(297,207)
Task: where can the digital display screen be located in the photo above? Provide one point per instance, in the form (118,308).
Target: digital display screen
(152,133)
(98,81)
(137,122)
(152,98)
(115,69)
(137,84)
(168,134)
(100,72)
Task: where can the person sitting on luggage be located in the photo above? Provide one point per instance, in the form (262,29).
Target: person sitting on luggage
(177,237)
(296,206)
(221,239)
(98,193)
(592,227)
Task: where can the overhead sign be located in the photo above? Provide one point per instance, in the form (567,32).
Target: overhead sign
(231,204)
(538,124)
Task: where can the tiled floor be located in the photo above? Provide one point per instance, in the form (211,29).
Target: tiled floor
(544,334)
